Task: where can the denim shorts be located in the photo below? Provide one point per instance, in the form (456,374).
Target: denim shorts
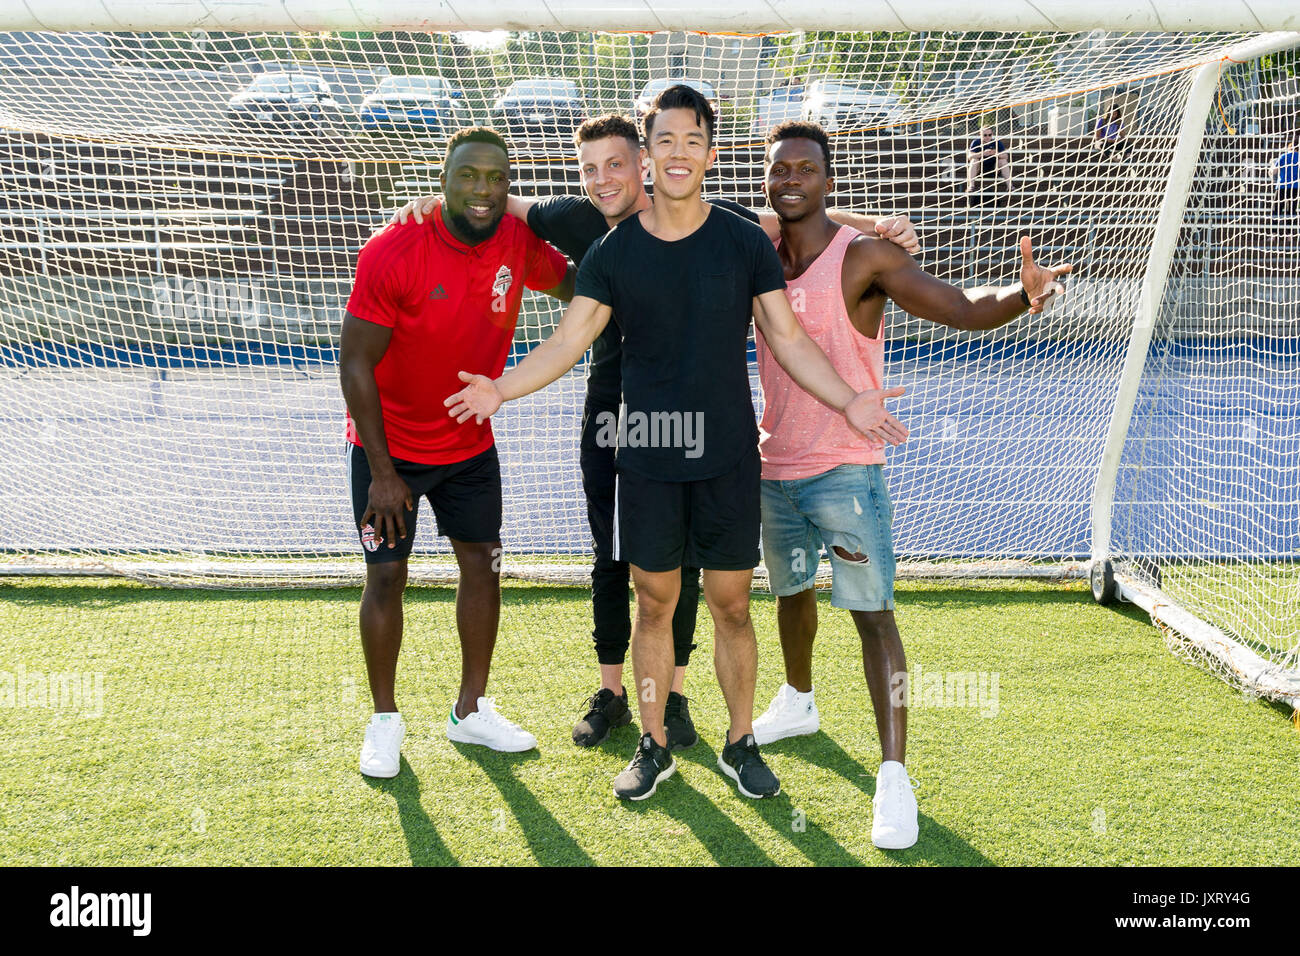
(847,507)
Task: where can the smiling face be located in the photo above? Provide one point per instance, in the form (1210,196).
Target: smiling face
(796,183)
(474,187)
(611,175)
(679,153)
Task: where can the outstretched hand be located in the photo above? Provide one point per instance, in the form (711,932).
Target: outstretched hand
(867,415)
(1040,283)
(479,399)
(900,231)
(419,208)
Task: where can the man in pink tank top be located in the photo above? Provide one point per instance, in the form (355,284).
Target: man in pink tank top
(822,482)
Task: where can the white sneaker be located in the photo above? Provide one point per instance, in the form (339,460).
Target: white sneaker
(791,714)
(893,824)
(485,726)
(381,753)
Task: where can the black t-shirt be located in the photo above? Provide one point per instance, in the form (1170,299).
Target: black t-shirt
(989,165)
(684,309)
(572,224)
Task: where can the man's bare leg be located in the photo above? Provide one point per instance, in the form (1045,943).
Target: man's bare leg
(882,659)
(796,620)
(478,611)
(611,676)
(652,646)
(381,630)
(735,651)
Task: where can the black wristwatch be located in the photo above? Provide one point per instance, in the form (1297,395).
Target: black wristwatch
(1024,297)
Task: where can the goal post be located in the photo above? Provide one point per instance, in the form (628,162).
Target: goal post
(1139,578)
(184,188)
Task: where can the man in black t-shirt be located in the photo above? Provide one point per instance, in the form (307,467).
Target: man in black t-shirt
(611,163)
(682,279)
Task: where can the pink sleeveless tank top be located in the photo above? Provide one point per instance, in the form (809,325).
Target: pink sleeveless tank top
(799,436)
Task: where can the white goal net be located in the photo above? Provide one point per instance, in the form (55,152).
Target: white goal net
(180,215)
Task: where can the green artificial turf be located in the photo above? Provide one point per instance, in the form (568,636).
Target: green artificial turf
(229,726)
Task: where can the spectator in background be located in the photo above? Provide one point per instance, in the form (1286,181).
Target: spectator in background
(987,160)
(1286,172)
(1109,134)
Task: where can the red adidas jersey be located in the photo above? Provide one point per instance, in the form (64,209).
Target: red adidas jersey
(451,307)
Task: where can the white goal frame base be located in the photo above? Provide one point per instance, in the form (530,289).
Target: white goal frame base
(250,575)
(1187,634)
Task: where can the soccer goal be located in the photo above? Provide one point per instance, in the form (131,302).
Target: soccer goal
(184,194)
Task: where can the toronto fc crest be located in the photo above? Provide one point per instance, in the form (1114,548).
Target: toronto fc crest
(501,284)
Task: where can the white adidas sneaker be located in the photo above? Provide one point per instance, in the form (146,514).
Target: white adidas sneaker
(488,728)
(893,823)
(381,752)
(791,714)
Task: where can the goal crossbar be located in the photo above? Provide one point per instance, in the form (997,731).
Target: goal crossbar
(720,16)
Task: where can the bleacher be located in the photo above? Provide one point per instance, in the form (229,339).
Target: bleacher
(69,206)
(81,207)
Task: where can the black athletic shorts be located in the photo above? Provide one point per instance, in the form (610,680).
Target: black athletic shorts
(710,524)
(465,497)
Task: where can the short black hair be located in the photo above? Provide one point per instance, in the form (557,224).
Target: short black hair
(473,134)
(682,97)
(798,129)
(603,127)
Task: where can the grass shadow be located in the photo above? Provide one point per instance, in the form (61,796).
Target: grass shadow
(721,836)
(1130,611)
(548,841)
(622,741)
(781,815)
(422,841)
(1278,707)
(936,843)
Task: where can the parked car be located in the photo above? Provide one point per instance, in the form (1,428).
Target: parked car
(777,107)
(276,102)
(835,105)
(415,101)
(646,98)
(540,107)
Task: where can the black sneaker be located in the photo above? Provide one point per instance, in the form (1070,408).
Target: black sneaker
(743,763)
(677,723)
(651,764)
(606,712)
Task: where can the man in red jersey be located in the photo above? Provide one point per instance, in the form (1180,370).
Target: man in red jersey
(429,300)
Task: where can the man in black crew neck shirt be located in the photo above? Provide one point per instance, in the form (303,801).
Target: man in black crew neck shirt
(611,161)
(682,280)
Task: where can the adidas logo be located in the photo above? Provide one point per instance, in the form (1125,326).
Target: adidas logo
(438,293)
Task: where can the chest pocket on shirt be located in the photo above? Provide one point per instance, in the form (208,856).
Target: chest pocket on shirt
(716,292)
